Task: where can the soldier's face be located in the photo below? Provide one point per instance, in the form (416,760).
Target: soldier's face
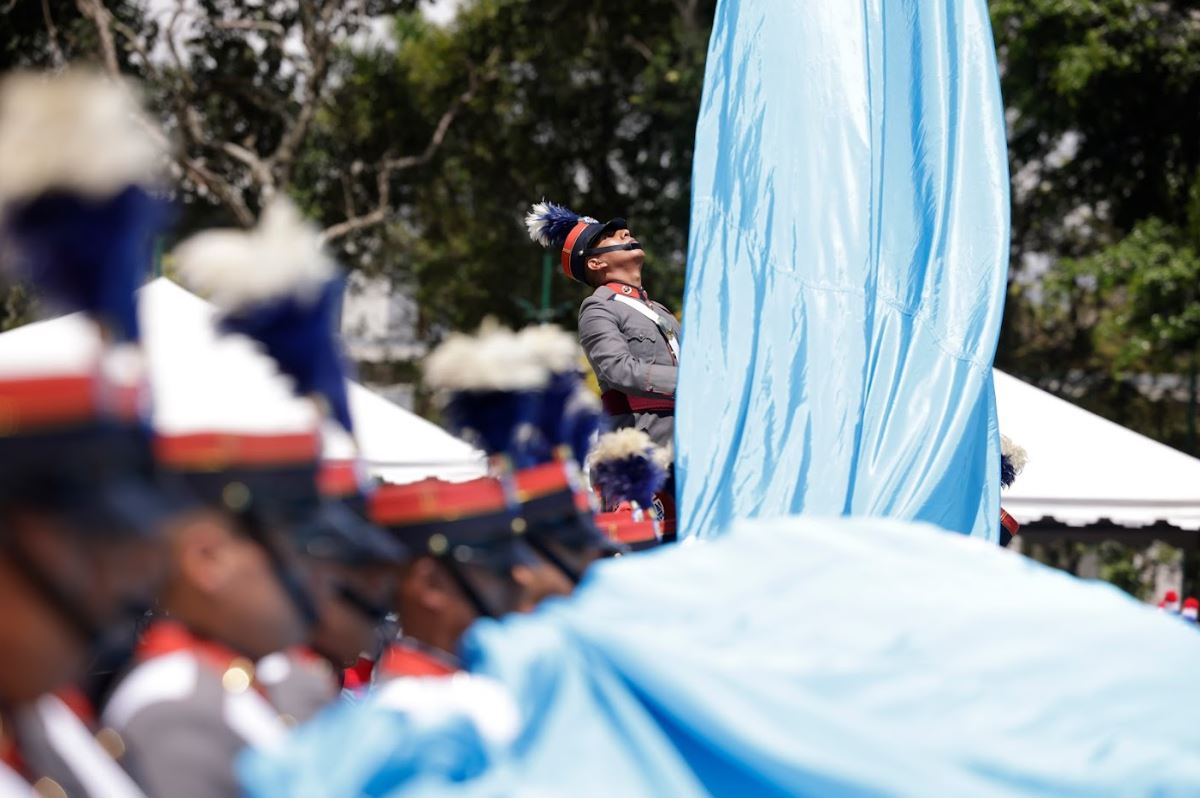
(101,578)
(434,608)
(621,264)
(227,586)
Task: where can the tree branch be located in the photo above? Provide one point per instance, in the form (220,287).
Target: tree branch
(371,218)
(389,166)
(102,19)
(52,32)
(173,49)
(259,170)
(640,47)
(318,41)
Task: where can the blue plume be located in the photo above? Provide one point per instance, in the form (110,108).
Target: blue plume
(583,419)
(495,421)
(634,478)
(1008,472)
(89,255)
(549,224)
(552,421)
(300,333)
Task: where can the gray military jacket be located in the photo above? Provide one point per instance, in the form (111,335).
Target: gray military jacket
(632,357)
(299,687)
(183,724)
(58,748)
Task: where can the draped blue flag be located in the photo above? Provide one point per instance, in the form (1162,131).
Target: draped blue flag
(835,657)
(849,242)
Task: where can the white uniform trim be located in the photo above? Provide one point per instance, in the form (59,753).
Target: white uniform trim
(651,314)
(90,763)
(13,786)
(171,677)
(273,668)
(254,720)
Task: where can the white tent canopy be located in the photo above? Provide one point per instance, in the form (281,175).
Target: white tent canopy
(1084,469)
(183,346)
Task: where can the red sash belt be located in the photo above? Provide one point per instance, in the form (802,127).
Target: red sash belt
(622,404)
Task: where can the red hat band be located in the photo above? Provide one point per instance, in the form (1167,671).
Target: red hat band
(569,244)
(39,403)
(218,451)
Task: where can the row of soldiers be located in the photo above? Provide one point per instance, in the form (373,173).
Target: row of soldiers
(182,577)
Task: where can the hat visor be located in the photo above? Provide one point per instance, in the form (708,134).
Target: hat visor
(335,532)
(579,532)
(127,507)
(500,555)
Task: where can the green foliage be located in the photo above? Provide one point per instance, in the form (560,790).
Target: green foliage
(1104,145)
(1123,78)
(592,104)
(1119,566)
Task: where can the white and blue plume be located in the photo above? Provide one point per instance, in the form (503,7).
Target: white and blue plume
(549,223)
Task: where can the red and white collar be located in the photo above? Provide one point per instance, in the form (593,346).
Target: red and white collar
(618,287)
(408,657)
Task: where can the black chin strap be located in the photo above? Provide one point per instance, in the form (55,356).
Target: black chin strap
(112,654)
(372,611)
(464,584)
(630,247)
(68,607)
(287,574)
(543,549)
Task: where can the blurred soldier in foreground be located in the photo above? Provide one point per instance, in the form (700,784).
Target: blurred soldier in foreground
(472,558)
(81,507)
(469,563)
(250,578)
(555,502)
(356,576)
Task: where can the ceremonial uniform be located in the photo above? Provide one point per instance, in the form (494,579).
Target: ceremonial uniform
(185,710)
(53,746)
(299,683)
(631,343)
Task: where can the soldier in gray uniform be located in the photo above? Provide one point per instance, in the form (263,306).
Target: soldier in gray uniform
(631,341)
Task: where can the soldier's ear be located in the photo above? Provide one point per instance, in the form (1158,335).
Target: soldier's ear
(595,265)
(204,556)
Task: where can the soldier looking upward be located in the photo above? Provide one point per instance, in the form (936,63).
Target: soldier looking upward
(631,341)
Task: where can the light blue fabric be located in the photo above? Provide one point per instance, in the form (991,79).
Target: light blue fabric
(847,262)
(838,657)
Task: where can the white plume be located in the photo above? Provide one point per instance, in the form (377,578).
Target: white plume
(535,223)
(494,359)
(619,444)
(283,255)
(77,131)
(553,347)
(1015,454)
(664,456)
